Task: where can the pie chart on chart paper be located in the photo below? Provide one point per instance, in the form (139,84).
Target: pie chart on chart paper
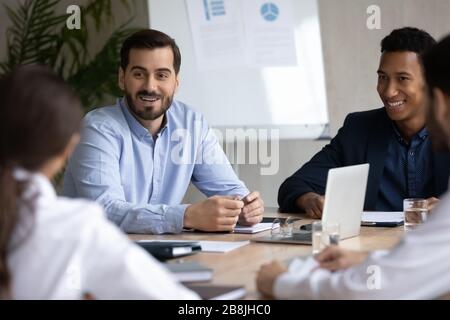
(269,11)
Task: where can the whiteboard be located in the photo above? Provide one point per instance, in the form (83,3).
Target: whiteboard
(289,99)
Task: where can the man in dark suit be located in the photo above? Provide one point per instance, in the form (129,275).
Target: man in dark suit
(392,139)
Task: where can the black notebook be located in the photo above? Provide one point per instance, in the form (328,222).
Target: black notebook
(163,250)
(190,271)
(218,292)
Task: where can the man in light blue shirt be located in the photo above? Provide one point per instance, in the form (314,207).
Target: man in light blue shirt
(137,157)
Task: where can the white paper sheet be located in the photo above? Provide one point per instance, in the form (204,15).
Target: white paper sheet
(263,226)
(382,216)
(218,33)
(222,246)
(234,33)
(210,246)
(269,30)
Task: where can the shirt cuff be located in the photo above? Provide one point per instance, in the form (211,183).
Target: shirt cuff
(174,218)
(286,286)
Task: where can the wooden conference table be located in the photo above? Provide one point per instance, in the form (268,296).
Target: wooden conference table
(239,266)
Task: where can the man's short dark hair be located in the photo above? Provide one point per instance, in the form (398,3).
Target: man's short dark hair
(407,39)
(437,65)
(149,39)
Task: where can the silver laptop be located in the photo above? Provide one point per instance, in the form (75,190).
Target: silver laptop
(344,203)
(344,198)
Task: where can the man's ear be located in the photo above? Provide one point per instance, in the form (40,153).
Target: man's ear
(441,107)
(177,82)
(121,79)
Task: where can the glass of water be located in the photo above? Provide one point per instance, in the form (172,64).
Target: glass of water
(324,235)
(333,233)
(283,227)
(318,237)
(415,211)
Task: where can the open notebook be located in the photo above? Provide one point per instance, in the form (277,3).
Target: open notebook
(259,227)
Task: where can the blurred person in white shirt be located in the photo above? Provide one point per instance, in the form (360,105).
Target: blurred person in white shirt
(53,247)
(417,268)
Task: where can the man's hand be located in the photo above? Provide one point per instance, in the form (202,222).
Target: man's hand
(334,258)
(312,204)
(253,210)
(267,274)
(218,213)
(432,202)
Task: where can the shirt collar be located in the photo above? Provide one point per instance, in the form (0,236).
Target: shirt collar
(164,122)
(39,186)
(138,129)
(422,134)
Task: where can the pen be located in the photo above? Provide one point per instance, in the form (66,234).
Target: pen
(367,224)
(381,224)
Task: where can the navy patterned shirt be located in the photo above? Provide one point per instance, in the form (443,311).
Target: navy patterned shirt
(407,171)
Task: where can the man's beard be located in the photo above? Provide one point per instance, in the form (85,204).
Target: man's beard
(438,134)
(149,113)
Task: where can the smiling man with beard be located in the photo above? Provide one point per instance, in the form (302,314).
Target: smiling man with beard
(138,157)
(392,139)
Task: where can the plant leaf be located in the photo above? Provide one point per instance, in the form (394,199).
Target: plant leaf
(101,72)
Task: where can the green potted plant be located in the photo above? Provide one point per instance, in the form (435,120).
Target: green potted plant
(38,34)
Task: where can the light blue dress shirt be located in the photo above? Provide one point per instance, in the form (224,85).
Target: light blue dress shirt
(141,181)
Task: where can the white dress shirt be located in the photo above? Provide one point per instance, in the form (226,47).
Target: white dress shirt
(417,268)
(63,248)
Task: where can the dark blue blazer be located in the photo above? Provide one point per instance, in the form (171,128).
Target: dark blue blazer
(364,138)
